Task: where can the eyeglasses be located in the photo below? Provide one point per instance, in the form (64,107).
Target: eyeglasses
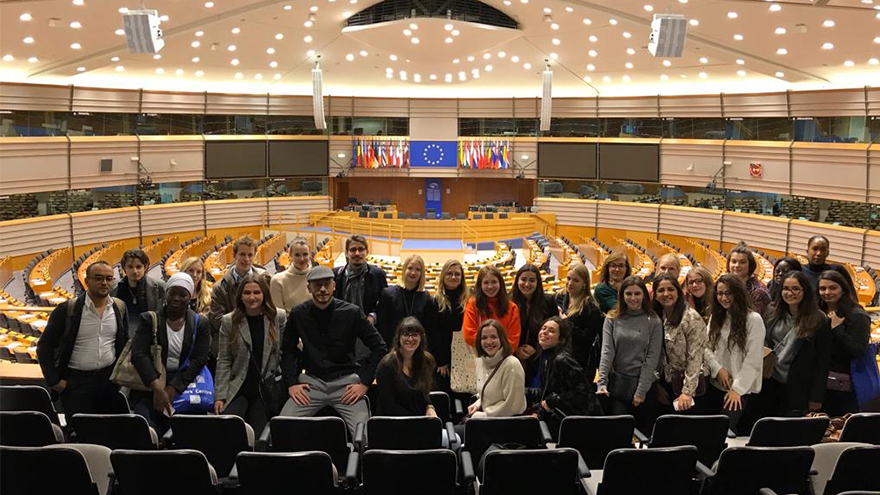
(99,279)
(724,294)
(792,290)
(356,249)
(617,266)
(696,282)
(409,335)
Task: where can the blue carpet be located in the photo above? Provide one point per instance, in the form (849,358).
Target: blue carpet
(439,244)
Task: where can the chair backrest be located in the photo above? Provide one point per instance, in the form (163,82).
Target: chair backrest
(67,471)
(854,470)
(862,427)
(116,431)
(788,432)
(139,472)
(748,469)
(649,471)
(480,433)
(220,438)
(595,436)
(404,433)
(28,398)
(261,473)
(544,471)
(440,401)
(707,433)
(404,472)
(325,434)
(27,429)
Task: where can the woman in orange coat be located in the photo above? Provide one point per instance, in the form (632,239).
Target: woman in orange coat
(490,301)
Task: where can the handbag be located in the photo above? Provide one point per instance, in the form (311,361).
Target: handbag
(769,365)
(838,382)
(271,389)
(622,387)
(198,396)
(865,376)
(125,374)
(678,384)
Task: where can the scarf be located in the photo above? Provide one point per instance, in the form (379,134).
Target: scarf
(354,285)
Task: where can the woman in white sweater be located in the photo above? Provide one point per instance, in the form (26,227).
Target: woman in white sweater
(288,288)
(735,350)
(501,376)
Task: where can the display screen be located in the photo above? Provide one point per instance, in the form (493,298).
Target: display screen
(232,159)
(299,158)
(629,162)
(567,160)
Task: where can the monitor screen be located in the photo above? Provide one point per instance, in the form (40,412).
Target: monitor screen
(567,160)
(299,158)
(231,159)
(629,162)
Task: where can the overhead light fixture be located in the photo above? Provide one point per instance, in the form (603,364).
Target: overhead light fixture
(76,25)
(829,23)
(775,8)
(827,45)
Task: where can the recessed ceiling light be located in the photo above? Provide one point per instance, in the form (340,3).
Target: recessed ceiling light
(523,1)
(76,25)
(308,24)
(270,50)
(393,58)
(593,38)
(164,18)
(694,22)
(780,74)
(548,10)
(593,53)
(239,75)
(487,56)
(28,40)
(78,3)
(258,76)
(877,40)
(346,15)
(741,73)
(234,62)
(873,61)
(527,66)
(849,63)
(80,69)
(119,32)
(627,35)
(449,27)
(310,53)
(209,5)
(276,76)
(407,32)
(236,30)
(556,41)
(591,67)
(649,8)
(363,53)
(120,68)
(878,15)
(732,15)
(195,44)
(667,63)
(829,23)
(554,56)
(554,26)
(114,59)
(664,77)
(231,48)
(588,79)
(827,45)
(502,54)
(33,60)
(626,78)
(780,30)
(123,10)
(456,32)
(349,57)
(178,72)
(273,64)
(613,22)
(160,71)
(414,40)
(307,38)
(390,75)
(200,73)
(414,26)
(507,2)
(628,65)
(432,77)
(738,37)
(279,36)
(704,60)
(703,75)
(782,51)
(606,79)
(8,58)
(448,39)
(514,59)
(199,34)
(75,46)
(775,7)
(740,61)
(630,51)
(587,21)
(488,68)
(569,10)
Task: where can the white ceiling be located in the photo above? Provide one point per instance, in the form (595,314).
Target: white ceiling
(596,47)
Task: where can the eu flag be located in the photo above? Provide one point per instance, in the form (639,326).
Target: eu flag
(434,154)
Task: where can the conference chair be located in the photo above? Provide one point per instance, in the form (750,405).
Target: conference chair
(595,436)
(401,433)
(460,216)
(263,473)
(854,471)
(28,429)
(788,432)
(749,469)
(404,472)
(862,427)
(447,410)
(707,433)
(444,215)
(116,431)
(645,472)
(326,434)
(28,398)
(140,472)
(490,216)
(70,469)
(516,471)
(520,431)
(219,438)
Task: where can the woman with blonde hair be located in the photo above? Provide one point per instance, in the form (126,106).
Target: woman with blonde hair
(698,287)
(201,297)
(615,268)
(408,298)
(668,264)
(581,309)
(456,369)
(289,288)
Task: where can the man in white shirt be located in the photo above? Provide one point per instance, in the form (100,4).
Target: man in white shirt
(80,343)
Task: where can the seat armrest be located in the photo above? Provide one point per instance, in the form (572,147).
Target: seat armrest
(766,491)
(262,444)
(168,439)
(458,408)
(545,433)
(233,473)
(360,433)
(467,468)
(704,472)
(641,437)
(583,470)
(730,433)
(351,469)
(450,434)
(814,472)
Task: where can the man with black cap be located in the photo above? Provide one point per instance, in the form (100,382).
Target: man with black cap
(328,329)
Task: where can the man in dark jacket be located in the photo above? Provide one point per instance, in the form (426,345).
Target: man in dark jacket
(80,345)
(139,292)
(818,248)
(328,329)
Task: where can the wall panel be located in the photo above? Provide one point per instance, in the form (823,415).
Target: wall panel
(580,213)
(381,107)
(690,222)
(33,165)
(702,156)
(755,230)
(340,145)
(529,108)
(33,235)
(427,108)
(813,164)
(106,100)
(873,101)
(229,104)
(172,102)
(774,160)
(872,249)
(874,173)
(525,157)
(186,152)
(235,213)
(339,106)
(846,242)
(171,218)
(34,97)
(633,106)
(293,105)
(86,154)
(828,103)
(628,216)
(573,108)
(690,106)
(296,210)
(96,227)
(756,105)
(486,108)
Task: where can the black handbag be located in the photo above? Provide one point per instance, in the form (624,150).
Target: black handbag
(622,387)
(272,391)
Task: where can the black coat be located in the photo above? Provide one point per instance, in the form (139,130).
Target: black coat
(849,340)
(441,325)
(56,344)
(528,333)
(142,359)
(563,386)
(374,281)
(395,304)
(586,335)
(808,373)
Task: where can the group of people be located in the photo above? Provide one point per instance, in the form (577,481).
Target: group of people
(324,337)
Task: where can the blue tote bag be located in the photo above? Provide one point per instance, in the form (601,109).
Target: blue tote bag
(198,397)
(865,376)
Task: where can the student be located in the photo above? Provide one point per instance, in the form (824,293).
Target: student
(850,336)
(80,344)
(325,371)
(741,263)
(561,389)
(405,374)
(698,284)
(582,311)
(735,350)
(491,301)
(615,268)
(456,370)
(181,333)
(250,352)
(668,264)
(818,248)
(632,340)
(139,292)
(780,268)
(288,288)
(502,379)
(201,297)
(534,307)
(409,298)
(359,282)
(684,339)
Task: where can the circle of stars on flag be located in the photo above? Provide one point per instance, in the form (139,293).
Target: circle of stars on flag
(430,147)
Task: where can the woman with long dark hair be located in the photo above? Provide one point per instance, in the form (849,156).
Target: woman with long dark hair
(741,262)
(800,336)
(455,358)
(684,339)
(249,352)
(698,284)
(632,340)
(615,269)
(405,374)
(850,336)
(534,307)
(490,301)
(580,308)
(735,350)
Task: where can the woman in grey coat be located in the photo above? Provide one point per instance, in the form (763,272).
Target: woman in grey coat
(249,352)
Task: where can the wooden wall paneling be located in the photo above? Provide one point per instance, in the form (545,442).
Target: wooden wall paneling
(381,107)
(635,218)
(704,156)
(340,145)
(186,152)
(629,106)
(33,164)
(846,242)
(34,97)
(485,108)
(290,210)
(873,101)
(828,103)
(86,153)
(690,222)
(690,106)
(872,249)
(830,170)
(106,100)
(755,230)
(575,212)
(527,190)
(293,105)
(172,102)
(33,235)
(755,105)
(339,106)
(528,108)
(439,172)
(874,173)
(172,218)
(229,213)
(573,108)
(773,157)
(433,108)
(234,104)
(96,227)
(524,153)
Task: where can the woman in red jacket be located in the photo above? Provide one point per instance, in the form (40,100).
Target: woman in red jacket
(491,301)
